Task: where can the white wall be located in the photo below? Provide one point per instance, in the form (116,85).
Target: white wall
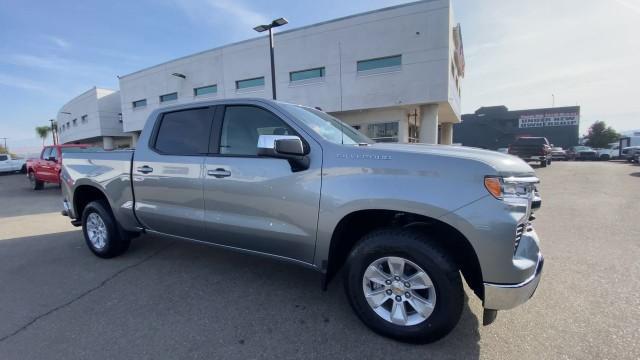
(101,107)
(420,32)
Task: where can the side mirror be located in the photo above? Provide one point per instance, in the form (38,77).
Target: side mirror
(284,147)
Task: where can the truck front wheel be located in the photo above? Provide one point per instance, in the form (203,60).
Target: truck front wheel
(101,233)
(403,287)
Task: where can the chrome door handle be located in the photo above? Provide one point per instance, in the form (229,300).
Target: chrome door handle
(145,169)
(219,173)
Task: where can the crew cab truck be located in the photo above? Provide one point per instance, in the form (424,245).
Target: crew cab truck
(532,149)
(10,164)
(46,168)
(403,222)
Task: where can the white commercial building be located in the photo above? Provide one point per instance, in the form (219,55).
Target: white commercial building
(93,117)
(393,73)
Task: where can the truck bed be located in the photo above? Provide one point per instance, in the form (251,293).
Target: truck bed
(111,170)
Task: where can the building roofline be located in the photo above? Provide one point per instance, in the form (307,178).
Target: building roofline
(94,88)
(279,33)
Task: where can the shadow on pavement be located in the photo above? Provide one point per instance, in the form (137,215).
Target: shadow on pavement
(173,299)
(17,198)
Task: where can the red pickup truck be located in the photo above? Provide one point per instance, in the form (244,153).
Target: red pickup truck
(46,168)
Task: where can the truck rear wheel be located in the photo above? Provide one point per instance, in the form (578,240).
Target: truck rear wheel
(35,183)
(403,287)
(101,233)
(543,163)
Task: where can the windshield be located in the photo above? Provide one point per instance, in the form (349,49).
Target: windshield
(328,127)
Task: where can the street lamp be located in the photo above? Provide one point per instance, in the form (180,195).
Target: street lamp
(261,28)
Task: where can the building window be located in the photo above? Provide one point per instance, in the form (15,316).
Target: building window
(205,90)
(75,122)
(120,118)
(139,103)
(317,73)
(386,63)
(68,124)
(169,97)
(84,119)
(250,83)
(383,132)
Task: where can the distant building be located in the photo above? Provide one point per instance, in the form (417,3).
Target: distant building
(494,127)
(395,73)
(93,117)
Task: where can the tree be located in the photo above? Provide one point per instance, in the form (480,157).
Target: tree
(43,132)
(6,151)
(600,135)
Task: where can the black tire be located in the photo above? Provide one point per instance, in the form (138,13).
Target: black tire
(543,163)
(117,241)
(605,157)
(35,183)
(548,161)
(23,169)
(419,249)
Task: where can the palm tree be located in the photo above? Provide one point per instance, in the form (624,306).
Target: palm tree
(43,132)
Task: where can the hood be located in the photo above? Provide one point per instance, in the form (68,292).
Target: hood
(504,164)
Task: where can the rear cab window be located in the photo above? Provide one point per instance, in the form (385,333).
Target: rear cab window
(184,132)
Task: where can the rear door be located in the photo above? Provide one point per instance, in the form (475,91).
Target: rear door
(258,203)
(167,173)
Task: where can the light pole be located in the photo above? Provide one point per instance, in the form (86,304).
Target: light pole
(261,28)
(54,129)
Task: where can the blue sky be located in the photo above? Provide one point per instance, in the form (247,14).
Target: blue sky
(518,52)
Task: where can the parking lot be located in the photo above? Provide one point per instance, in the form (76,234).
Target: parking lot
(170,299)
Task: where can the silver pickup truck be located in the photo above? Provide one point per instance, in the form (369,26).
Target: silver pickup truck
(403,222)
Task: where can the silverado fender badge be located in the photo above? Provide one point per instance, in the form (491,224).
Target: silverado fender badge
(363,157)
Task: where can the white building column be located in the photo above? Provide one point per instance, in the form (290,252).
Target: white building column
(403,131)
(107,142)
(446,133)
(134,139)
(429,124)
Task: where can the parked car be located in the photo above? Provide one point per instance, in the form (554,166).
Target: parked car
(296,184)
(558,153)
(10,164)
(532,149)
(613,152)
(628,153)
(46,168)
(582,153)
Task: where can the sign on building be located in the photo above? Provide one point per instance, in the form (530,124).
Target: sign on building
(549,119)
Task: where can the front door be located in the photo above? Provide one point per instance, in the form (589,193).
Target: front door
(258,203)
(167,173)
(5,164)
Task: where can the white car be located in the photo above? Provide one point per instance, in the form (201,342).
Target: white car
(613,152)
(8,164)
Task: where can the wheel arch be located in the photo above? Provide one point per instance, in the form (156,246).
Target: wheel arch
(353,226)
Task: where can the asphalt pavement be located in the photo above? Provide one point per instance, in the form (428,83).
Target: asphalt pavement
(167,299)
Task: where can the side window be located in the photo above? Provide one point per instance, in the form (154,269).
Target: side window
(4,158)
(184,132)
(242,125)
(54,153)
(45,153)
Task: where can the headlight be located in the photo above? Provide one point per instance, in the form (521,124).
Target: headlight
(512,190)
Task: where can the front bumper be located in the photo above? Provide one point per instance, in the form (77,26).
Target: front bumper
(508,296)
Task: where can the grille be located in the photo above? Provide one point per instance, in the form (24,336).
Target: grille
(519,231)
